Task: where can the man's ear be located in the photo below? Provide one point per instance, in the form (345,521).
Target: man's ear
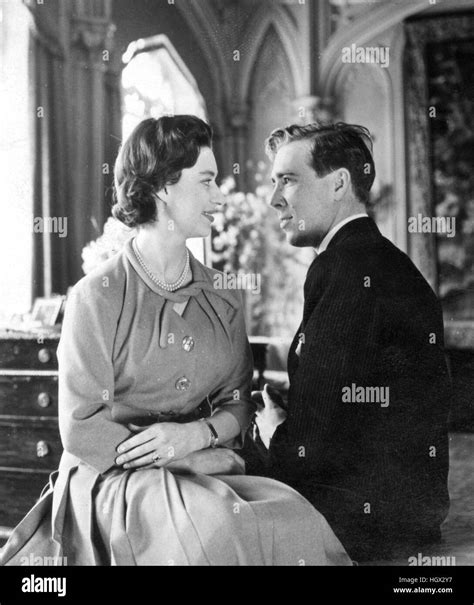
(342,182)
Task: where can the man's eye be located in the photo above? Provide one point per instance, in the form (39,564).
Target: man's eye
(286,180)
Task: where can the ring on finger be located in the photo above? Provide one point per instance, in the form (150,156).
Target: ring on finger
(156,457)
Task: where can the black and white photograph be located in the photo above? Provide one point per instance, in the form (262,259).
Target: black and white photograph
(237,297)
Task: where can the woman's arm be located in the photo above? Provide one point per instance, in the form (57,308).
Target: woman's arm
(86,377)
(219,461)
(233,397)
(173,441)
(233,412)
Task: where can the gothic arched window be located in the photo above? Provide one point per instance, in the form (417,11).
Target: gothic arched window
(156,82)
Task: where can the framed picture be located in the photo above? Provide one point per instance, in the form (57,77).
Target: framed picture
(46,310)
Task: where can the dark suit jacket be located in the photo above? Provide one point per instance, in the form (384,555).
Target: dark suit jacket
(378,474)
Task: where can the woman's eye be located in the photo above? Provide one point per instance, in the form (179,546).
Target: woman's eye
(207,183)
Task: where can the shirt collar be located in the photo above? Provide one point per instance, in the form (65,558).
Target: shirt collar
(330,234)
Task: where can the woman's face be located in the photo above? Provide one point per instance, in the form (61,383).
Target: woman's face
(192,201)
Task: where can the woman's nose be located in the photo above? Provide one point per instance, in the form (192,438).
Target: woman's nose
(217,197)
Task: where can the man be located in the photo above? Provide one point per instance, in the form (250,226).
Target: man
(365,439)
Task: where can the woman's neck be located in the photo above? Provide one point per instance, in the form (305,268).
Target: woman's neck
(163,252)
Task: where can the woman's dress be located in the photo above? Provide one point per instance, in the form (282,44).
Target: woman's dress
(126,353)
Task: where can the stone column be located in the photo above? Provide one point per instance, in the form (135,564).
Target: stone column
(238,125)
(91,59)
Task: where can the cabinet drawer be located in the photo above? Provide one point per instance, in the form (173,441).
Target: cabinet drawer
(30,444)
(28,395)
(19,491)
(28,354)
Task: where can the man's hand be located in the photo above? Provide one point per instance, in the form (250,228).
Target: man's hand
(270,412)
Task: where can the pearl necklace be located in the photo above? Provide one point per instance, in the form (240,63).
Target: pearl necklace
(162,284)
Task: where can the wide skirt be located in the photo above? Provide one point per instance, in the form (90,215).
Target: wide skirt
(157,517)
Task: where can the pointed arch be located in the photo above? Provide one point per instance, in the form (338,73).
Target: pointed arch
(200,13)
(287,32)
(271,94)
(364,28)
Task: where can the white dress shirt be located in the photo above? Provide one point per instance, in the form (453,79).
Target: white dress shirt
(330,234)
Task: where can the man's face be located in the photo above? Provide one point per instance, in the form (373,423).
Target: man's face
(304,201)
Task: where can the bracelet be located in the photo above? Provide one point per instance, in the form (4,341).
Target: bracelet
(213,436)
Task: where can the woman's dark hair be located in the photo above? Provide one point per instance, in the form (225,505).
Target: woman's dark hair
(333,146)
(153,157)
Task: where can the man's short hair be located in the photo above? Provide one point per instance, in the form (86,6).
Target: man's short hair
(333,146)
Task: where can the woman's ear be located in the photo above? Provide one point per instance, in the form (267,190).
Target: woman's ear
(162,195)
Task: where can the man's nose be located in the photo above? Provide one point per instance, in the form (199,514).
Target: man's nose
(277,200)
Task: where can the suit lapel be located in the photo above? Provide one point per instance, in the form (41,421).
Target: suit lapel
(358,231)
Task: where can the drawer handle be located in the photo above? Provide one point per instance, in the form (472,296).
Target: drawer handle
(42,449)
(44,355)
(44,400)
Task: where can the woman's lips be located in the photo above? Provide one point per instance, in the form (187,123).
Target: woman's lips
(209,216)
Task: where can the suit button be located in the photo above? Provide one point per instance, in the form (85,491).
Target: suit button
(182,384)
(188,343)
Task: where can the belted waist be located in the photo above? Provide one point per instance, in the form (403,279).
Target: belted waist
(125,414)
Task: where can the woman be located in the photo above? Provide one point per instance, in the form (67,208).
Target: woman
(155,372)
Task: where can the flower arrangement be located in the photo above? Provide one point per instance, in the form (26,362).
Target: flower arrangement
(115,235)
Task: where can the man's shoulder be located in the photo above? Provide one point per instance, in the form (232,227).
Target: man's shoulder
(377,270)
(379,256)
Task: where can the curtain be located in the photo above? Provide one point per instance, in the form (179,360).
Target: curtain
(76,138)
(50,249)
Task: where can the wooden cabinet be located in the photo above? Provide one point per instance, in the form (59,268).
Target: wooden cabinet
(30,446)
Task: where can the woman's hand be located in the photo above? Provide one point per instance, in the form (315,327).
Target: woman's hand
(219,461)
(160,443)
